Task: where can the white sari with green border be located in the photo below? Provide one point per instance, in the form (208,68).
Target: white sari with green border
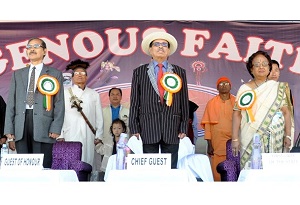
(268,119)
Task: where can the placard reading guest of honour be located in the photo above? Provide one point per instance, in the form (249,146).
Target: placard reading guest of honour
(149,161)
(22,161)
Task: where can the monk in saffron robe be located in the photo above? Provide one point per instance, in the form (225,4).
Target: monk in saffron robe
(217,124)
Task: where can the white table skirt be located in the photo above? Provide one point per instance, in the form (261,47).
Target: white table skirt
(171,175)
(260,175)
(47,175)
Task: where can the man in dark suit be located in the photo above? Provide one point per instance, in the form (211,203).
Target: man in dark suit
(2,120)
(30,125)
(159,108)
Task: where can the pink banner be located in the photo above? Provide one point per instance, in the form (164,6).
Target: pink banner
(207,50)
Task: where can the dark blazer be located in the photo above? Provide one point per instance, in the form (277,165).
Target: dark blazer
(153,120)
(44,121)
(2,115)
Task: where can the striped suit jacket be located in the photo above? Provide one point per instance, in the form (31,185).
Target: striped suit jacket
(153,120)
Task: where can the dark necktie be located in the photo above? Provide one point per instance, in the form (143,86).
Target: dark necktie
(30,97)
(160,88)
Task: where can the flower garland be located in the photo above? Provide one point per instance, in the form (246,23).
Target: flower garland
(48,86)
(172,83)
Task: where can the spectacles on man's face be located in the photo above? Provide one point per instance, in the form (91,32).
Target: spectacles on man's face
(79,73)
(263,64)
(29,46)
(157,44)
(224,84)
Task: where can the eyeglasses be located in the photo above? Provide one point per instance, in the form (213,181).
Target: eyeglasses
(79,73)
(224,83)
(157,44)
(263,64)
(29,46)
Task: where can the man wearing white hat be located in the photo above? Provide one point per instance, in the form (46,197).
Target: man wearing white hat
(159,104)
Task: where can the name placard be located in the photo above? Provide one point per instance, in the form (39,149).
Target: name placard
(148,161)
(22,161)
(280,160)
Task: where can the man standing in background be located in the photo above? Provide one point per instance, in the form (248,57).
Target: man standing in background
(81,101)
(113,111)
(217,124)
(2,120)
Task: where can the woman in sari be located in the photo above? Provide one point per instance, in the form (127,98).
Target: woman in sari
(274,75)
(261,107)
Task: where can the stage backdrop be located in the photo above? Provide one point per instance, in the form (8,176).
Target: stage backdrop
(206,49)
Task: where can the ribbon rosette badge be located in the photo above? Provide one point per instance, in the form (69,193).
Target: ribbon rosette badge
(48,86)
(172,83)
(245,102)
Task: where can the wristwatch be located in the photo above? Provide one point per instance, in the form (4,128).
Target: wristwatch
(10,139)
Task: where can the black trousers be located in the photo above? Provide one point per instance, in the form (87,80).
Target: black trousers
(164,148)
(28,145)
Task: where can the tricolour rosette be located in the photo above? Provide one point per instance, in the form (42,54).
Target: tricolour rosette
(172,83)
(245,102)
(48,86)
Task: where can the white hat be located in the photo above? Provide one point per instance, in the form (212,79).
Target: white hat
(159,35)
